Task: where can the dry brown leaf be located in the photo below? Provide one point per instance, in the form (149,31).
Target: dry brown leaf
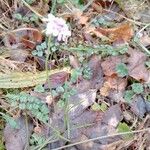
(27,38)
(37,129)
(145,40)
(57,79)
(92,30)
(116,82)
(109,65)
(97,7)
(122,32)
(136,66)
(82,19)
(113,82)
(74,61)
(104,91)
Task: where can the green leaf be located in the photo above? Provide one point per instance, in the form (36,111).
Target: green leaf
(44,45)
(54,93)
(23,97)
(75,74)
(22,106)
(26,19)
(40,53)
(123,127)
(61,103)
(128,95)
(11,121)
(103,107)
(17,16)
(96,107)
(60,1)
(39,88)
(26,79)
(60,89)
(148,64)
(122,70)
(137,88)
(34,18)
(34,52)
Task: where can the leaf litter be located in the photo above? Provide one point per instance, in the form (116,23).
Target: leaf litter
(58,89)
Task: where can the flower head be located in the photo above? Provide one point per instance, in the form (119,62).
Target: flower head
(57,27)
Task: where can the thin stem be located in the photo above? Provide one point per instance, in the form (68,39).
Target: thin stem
(27,5)
(46,62)
(27,133)
(57,132)
(53,6)
(101,137)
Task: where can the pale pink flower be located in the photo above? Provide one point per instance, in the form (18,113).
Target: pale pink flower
(57,27)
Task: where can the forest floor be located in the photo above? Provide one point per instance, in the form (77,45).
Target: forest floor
(74,75)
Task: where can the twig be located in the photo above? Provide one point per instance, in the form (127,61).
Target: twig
(101,137)
(128,19)
(27,5)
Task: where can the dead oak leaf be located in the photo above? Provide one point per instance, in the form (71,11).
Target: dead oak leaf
(82,19)
(27,37)
(116,82)
(104,91)
(136,66)
(145,40)
(113,82)
(57,79)
(123,32)
(109,65)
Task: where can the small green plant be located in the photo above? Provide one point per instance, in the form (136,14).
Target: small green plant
(26,19)
(123,127)
(25,101)
(147,63)
(128,95)
(40,49)
(99,107)
(39,89)
(30,1)
(87,72)
(9,120)
(122,70)
(137,88)
(36,140)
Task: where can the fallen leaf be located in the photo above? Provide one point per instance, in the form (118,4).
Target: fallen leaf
(145,40)
(96,80)
(109,65)
(78,15)
(28,79)
(113,116)
(79,102)
(104,91)
(49,99)
(74,62)
(122,32)
(57,79)
(27,38)
(17,138)
(136,66)
(116,96)
(116,82)
(98,7)
(101,129)
(97,72)
(140,106)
